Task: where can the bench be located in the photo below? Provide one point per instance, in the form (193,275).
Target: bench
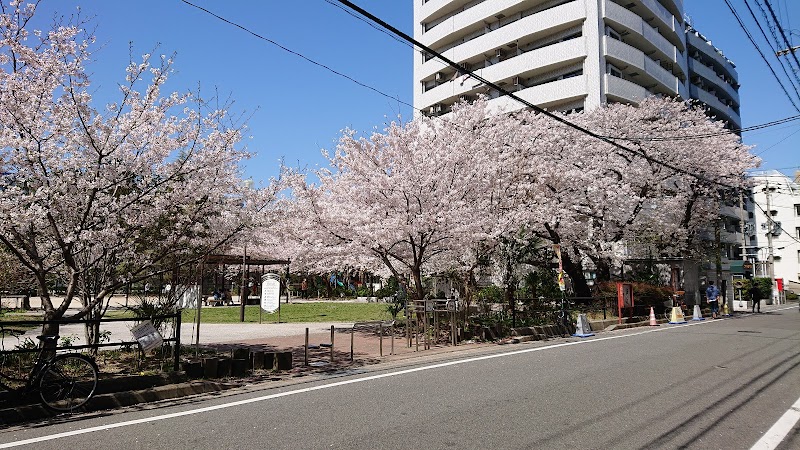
(16,297)
(211,301)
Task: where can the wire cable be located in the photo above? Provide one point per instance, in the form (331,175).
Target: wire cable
(462,70)
(707,135)
(783,34)
(758,49)
(770,220)
(779,142)
(775,37)
(661,138)
(528,104)
(299,55)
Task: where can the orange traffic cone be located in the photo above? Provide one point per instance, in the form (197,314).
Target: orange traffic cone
(653,322)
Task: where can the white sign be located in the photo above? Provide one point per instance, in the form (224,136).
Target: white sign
(188,296)
(147,336)
(270,292)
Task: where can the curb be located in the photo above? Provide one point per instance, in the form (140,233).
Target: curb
(99,402)
(539,333)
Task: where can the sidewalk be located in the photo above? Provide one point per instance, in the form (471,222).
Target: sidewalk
(366,351)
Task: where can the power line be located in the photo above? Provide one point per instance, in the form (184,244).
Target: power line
(769,219)
(783,34)
(775,144)
(409,39)
(359,83)
(774,49)
(299,55)
(660,138)
(758,49)
(513,96)
(707,135)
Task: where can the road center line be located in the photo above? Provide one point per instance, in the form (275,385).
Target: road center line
(775,435)
(332,385)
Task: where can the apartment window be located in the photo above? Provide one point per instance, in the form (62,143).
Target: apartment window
(797,210)
(797,232)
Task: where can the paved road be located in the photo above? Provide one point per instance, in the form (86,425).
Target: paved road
(712,384)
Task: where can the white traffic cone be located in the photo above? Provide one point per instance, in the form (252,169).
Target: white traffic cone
(677,315)
(697,314)
(582,327)
(653,322)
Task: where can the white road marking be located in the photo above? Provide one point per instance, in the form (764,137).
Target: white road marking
(775,435)
(332,385)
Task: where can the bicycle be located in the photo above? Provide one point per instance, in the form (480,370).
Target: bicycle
(64,381)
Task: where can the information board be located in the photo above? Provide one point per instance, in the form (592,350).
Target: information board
(270,292)
(147,336)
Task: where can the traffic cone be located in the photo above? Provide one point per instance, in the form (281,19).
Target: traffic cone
(653,322)
(677,315)
(582,327)
(697,314)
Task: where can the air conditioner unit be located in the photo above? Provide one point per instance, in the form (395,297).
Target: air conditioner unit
(439,76)
(437,108)
(464,98)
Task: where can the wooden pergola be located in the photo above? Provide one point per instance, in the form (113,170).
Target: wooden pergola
(246,262)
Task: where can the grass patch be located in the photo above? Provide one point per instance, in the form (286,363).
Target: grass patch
(295,313)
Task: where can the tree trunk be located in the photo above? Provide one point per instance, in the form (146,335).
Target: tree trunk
(49,329)
(602,270)
(580,287)
(417,276)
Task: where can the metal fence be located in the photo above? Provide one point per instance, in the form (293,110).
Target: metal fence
(545,311)
(14,328)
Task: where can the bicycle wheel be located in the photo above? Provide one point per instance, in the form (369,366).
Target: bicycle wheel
(67,382)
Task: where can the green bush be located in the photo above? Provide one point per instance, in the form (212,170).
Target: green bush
(760,288)
(389,288)
(490,294)
(643,293)
(363,291)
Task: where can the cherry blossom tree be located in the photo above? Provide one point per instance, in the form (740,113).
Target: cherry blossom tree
(108,196)
(665,192)
(438,195)
(417,198)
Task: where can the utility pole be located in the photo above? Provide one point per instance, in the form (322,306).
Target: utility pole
(770,228)
(742,226)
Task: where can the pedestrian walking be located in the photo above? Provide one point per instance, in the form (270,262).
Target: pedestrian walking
(755,298)
(712,295)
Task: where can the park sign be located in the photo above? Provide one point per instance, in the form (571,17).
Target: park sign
(147,336)
(270,292)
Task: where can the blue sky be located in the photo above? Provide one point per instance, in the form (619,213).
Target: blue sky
(296,108)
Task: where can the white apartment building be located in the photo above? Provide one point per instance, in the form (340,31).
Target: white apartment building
(782,194)
(568,54)
(575,55)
